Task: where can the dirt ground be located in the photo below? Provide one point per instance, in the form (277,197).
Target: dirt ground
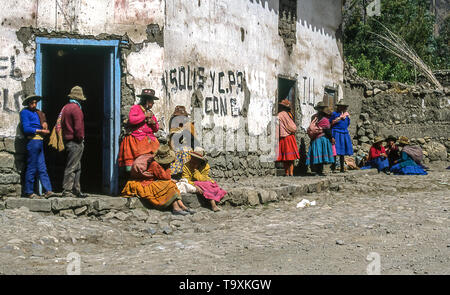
(402,220)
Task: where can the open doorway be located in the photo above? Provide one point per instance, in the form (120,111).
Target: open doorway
(286,90)
(62,66)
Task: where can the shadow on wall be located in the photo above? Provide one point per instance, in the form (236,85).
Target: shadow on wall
(322,16)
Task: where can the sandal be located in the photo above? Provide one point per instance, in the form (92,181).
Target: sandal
(190,211)
(34,196)
(49,194)
(180,212)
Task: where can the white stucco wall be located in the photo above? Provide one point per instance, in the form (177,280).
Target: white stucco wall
(208,34)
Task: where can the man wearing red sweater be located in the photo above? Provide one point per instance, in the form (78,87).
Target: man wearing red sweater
(72,124)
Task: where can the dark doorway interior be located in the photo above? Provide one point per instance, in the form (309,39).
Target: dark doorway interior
(64,67)
(286,90)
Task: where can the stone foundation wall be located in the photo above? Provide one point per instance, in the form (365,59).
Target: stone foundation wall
(12,165)
(390,108)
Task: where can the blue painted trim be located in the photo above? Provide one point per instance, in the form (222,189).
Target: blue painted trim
(38,88)
(116,130)
(70,41)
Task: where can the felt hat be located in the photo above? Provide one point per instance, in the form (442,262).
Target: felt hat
(285,103)
(319,105)
(29,98)
(164,155)
(391,137)
(77,93)
(342,103)
(147,93)
(403,140)
(378,139)
(198,153)
(180,111)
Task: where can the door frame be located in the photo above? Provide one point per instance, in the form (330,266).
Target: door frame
(112,103)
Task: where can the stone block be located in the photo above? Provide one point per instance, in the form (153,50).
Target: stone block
(6,189)
(9,143)
(235,197)
(252,197)
(80,210)
(12,178)
(32,204)
(300,190)
(191,200)
(110,203)
(2,205)
(267,196)
(436,151)
(282,192)
(68,203)
(6,160)
(68,213)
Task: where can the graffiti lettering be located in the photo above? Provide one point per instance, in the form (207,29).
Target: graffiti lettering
(14,72)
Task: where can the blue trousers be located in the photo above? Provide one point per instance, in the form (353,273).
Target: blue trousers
(36,166)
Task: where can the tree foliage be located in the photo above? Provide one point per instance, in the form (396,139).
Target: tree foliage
(412,20)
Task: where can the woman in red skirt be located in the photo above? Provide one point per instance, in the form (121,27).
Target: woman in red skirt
(287,148)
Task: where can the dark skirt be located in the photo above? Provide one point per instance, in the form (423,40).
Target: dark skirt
(380,163)
(408,170)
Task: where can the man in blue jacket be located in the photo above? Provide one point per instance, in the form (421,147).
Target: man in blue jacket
(34,126)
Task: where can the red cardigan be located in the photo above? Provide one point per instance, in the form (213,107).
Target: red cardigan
(375,153)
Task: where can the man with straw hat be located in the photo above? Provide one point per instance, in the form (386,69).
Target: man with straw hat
(34,126)
(377,156)
(72,124)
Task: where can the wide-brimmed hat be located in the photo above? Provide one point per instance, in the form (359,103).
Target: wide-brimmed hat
(319,105)
(198,153)
(77,93)
(180,111)
(378,139)
(147,93)
(164,155)
(342,103)
(403,140)
(391,137)
(285,103)
(29,98)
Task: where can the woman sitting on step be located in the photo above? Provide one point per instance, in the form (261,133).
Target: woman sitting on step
(410,159)
(377,156)
(196,171)
(151,180)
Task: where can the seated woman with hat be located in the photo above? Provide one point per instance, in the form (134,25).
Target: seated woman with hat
(142,124)
(196,171)
(320,149)
(155,183)
(287,147)
(392,150)
(340,120)
(377,156)
(181,139)
(410,159)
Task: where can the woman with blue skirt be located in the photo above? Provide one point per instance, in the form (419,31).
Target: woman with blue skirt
(320,150)
(340,120)
(408,164)
(378,157)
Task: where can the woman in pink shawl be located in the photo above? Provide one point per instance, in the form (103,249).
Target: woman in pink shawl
(320,150)
(287,148)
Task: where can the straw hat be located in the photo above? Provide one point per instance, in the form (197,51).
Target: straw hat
(319,105)
(29,98)
(378,139)
(77,93)
(403,140)
(164,155)
(180,111)
(342,103)
(285,103)
(198,153)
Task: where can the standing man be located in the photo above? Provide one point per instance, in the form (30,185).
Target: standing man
(34,126)
(72,124)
